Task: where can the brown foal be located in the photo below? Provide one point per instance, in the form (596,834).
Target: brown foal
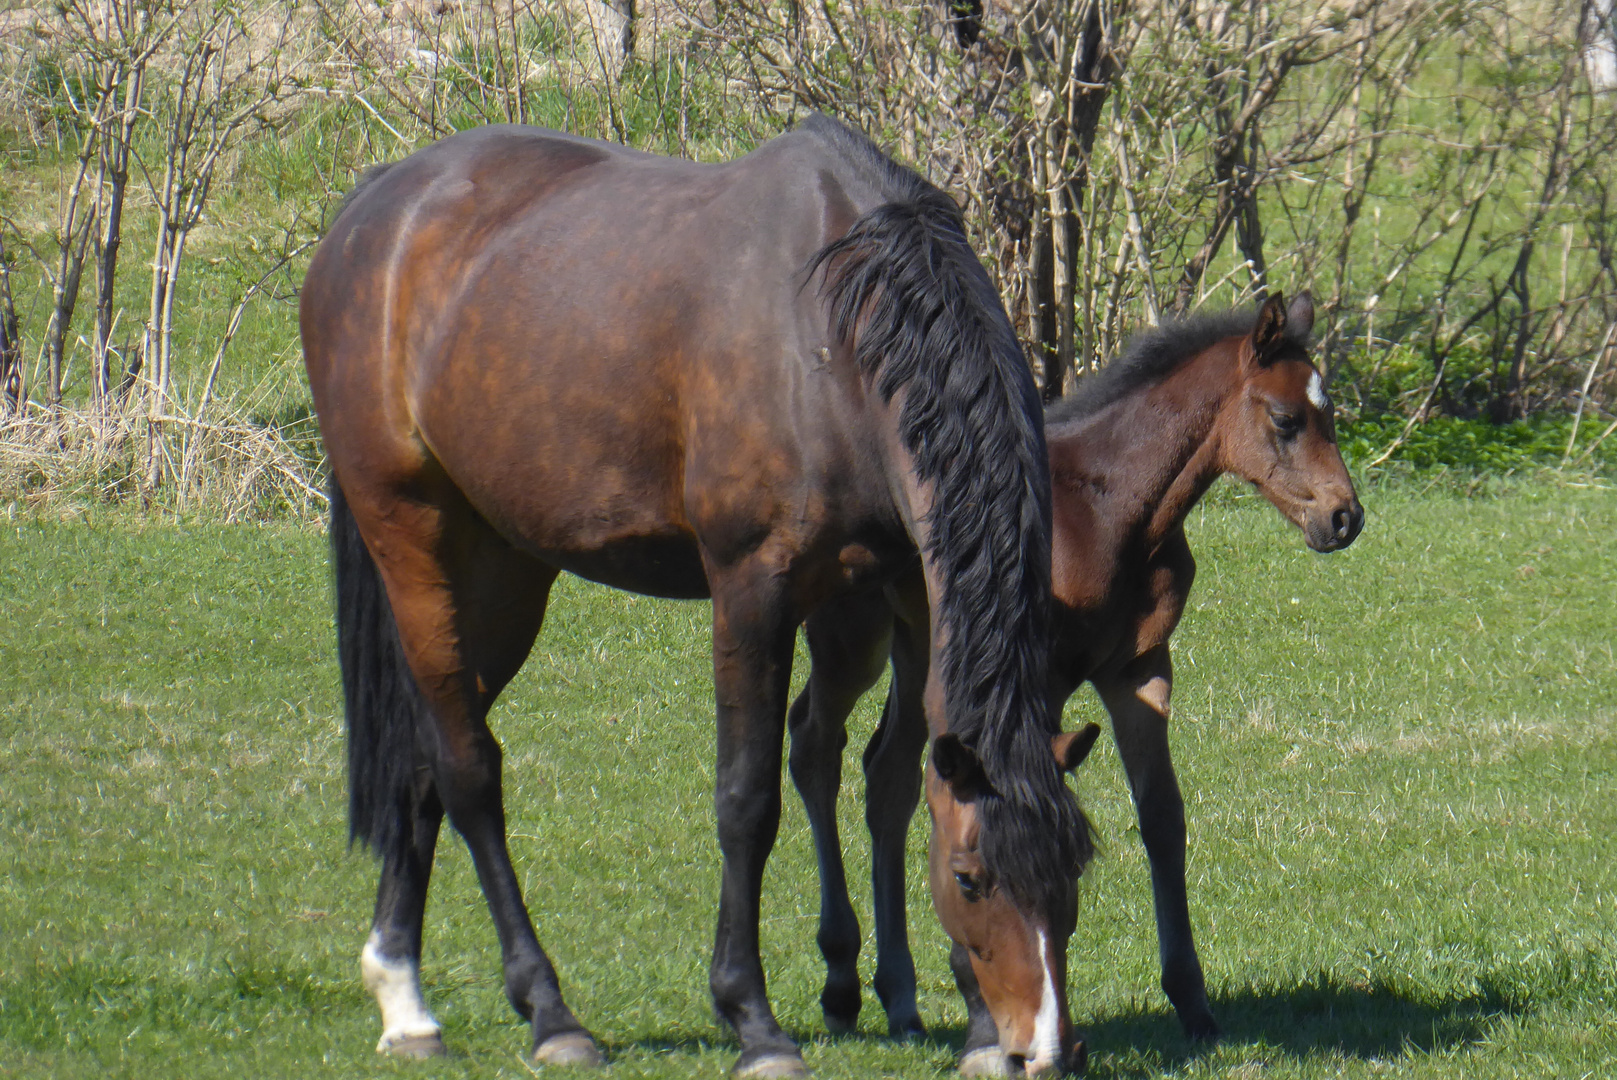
(1131,452)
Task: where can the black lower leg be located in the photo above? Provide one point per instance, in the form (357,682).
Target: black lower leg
(1162,828)
(471,793)
(892,792)
(752,658)
(401,896)
(981,1031)
(816,767)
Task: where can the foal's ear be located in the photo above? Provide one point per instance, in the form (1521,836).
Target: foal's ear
(1270,332)
(1300,316)
(1071,747)
(960,767)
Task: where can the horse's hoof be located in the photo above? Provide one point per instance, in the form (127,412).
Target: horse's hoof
(415,1047)
(772,1067)
(573,1048)
(841,1025)
(985,1061)
(909,1029)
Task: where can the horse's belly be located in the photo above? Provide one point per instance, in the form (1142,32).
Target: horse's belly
(653,565)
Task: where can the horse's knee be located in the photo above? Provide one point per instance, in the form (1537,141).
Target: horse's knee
(816,747)
(747,814)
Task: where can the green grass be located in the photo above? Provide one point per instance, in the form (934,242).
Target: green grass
(1400,764)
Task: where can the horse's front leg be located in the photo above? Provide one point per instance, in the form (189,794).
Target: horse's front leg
(892,763)
(753,636)
(1137,699)
(848,642)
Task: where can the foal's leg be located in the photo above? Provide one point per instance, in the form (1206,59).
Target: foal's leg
(753,636)
(848,642)
(892,764)
(1137,699)
(468,607)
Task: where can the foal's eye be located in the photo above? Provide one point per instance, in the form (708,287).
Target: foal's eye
(969,887)
(1286,425)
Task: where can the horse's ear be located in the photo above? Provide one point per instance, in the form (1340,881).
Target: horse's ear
(960,767)
(1270,332)
(1071,747)
(1300,316)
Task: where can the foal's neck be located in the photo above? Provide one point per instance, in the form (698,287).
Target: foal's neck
(1147,458)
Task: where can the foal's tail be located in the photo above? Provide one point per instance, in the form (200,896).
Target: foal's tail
(384,705)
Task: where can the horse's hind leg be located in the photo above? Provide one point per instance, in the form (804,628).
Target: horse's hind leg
(848,642)
(394,806)
(391,960)
(468,607)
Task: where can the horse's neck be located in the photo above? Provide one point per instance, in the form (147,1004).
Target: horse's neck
(1149,474)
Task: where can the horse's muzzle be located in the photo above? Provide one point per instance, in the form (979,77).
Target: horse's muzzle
(1074,1059)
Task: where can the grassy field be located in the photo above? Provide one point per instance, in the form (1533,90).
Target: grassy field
(1401,767)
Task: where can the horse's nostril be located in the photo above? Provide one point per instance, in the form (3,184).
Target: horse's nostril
(1342,524)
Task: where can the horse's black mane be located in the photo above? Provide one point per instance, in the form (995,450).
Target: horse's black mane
(906,288)
(1150,355)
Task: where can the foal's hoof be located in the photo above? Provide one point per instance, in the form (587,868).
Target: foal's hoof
(772,1067)
(841,1025)
(415,1047)
(573,1048)
(985,1061)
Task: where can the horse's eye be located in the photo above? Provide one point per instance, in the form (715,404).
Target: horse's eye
(969,888)
(1286,425)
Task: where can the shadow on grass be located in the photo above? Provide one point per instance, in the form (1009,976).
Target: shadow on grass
(1322,1016)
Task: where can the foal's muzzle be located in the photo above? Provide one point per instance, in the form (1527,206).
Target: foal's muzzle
(1337,528)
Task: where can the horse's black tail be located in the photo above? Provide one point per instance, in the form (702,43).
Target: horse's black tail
(384,705)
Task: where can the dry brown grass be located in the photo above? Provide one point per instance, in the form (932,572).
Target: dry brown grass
(224,466)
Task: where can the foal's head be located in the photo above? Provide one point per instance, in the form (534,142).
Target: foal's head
(1279,430)
(1017,944)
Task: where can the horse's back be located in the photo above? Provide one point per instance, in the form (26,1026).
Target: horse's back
(567,328)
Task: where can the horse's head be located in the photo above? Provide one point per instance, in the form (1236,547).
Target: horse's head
(1279,432)
(1017,950)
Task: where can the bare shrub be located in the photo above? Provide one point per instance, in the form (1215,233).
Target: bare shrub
(227,466)
(1121,160)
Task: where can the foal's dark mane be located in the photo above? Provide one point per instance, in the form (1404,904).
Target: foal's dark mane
(1150,355)
(906,288)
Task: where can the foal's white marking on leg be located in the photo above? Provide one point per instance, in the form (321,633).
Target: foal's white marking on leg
(396,985)
(1047,1025)
(1316,392)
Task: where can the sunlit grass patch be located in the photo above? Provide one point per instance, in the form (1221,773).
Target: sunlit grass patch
(1399,764)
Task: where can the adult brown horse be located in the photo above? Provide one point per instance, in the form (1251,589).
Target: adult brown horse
(1131,452)
(777,382)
